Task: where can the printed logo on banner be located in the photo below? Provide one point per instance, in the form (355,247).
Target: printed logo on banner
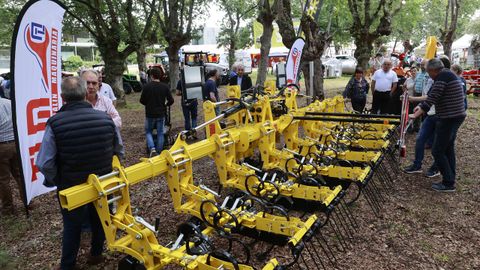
(296,62)
(43,45)
(37,41)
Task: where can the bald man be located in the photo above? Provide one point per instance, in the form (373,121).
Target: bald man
(384,83)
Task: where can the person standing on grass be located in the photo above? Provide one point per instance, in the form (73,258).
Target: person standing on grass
(384,83)
(424,137)
(458,70)
(189,108)
(356,90)
(9,167)
(78,141)
(210,90)
(155,97)
(99,101)
(448,97)
(105,89)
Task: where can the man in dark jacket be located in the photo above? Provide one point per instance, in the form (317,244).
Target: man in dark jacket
(156,97)
(78,141)
(241,79)
(447,96)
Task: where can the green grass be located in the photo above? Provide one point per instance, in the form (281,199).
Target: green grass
(441,257)
(6,260)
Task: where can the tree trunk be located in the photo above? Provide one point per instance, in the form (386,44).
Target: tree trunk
(141,58)
(173,61)
(318,89)
(476,51)
(114,68)
(447,46)
(231,54)
(338,48)
(363,51)
(265,45)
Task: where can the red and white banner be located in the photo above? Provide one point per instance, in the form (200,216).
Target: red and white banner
(293,61)
(36,65)
(404,124)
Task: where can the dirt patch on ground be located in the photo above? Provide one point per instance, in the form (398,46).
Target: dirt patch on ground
(417,228)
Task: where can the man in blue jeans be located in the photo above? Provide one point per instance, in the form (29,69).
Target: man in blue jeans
(189,108)
(424,137)
(156,97)
(447,96)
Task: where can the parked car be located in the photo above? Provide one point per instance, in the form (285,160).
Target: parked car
(203,60)
(130,81)
(349,63)
(332,68)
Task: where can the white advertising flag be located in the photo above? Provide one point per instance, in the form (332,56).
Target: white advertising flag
(36,66)
(293,60)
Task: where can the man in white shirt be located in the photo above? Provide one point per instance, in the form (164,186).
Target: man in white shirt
(384,81)
(106,90)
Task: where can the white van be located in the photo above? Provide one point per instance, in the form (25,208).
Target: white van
(240,57)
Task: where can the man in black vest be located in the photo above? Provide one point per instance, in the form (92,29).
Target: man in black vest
(78,141)
(241,79)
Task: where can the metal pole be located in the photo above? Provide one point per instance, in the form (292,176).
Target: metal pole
(353,115)
(347,120)
(311,67)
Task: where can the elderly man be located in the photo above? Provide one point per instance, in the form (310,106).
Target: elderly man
(384,83)
(241,79)
(105,89)
(99,102)
(8,159)
(447,96)
(67,156)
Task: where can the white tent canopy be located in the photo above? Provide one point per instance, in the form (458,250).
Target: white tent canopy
(462,43)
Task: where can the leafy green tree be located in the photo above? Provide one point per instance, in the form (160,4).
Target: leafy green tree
(175,18)
(265,15)
(117,29)
(232,35)
(9,10)
(317,35)
(371,19)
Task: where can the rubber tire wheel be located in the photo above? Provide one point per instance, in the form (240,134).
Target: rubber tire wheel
(127,88)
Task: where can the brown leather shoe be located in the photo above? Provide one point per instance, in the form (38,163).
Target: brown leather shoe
(95,260)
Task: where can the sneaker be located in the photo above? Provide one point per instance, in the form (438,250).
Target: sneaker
(412,169)
(439,187)
(153,152)
(431,173)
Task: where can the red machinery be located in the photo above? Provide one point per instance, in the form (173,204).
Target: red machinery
(473,79)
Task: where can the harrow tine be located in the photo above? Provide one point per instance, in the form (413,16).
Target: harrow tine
(343,224)
(338,235)
(377,191)
(346,219)
(373,196)
(386,178)
(327,245)
(350,215)
(332,262)
(370,203)
(313,259)
(304,262)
